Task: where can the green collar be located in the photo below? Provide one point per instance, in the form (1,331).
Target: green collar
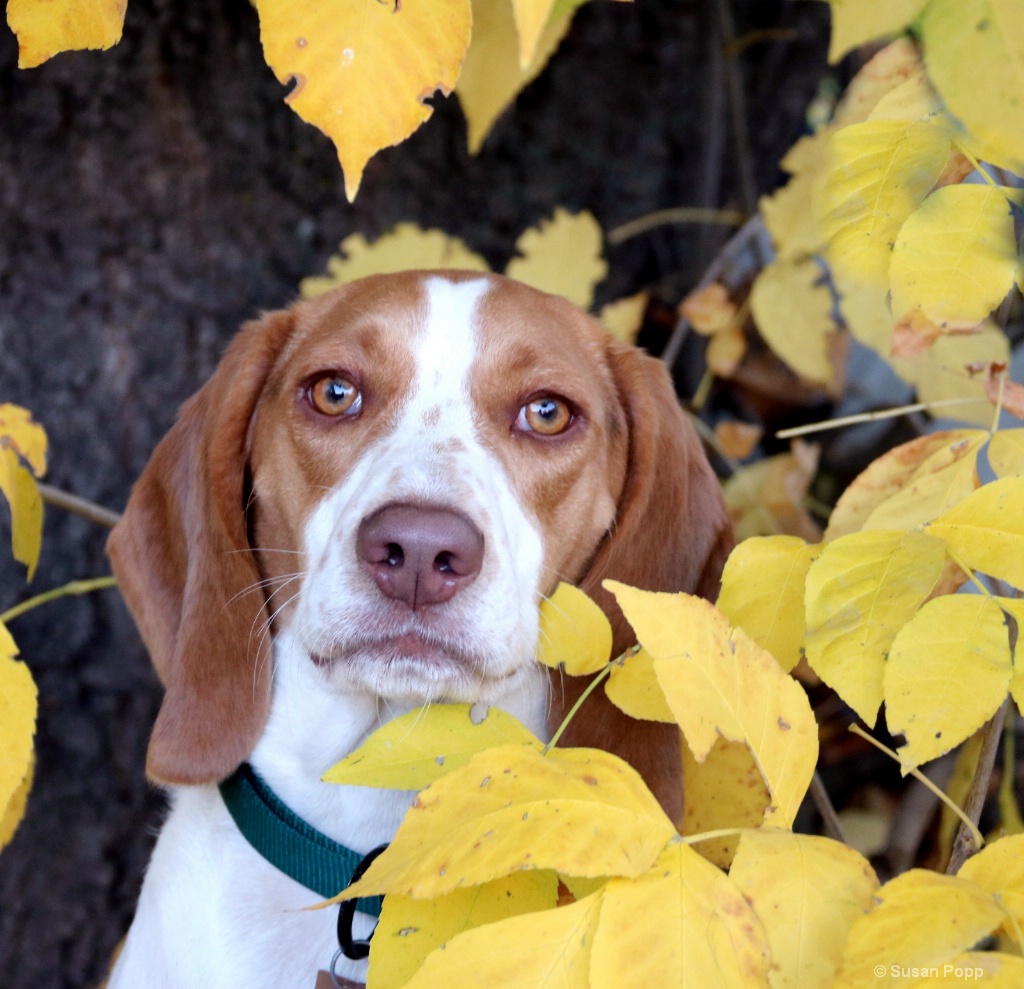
(288,842)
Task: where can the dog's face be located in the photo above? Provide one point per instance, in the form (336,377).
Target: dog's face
(439,465)
(394,474)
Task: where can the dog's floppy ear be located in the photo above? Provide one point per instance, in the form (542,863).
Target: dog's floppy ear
(182,559)
(671,533)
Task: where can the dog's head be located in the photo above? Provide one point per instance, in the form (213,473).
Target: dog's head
(395,473)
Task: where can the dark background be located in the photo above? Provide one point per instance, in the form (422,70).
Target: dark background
(154,196)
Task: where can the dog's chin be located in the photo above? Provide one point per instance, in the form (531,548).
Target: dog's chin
(408,666)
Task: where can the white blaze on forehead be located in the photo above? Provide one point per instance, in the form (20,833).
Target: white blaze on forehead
(443,352)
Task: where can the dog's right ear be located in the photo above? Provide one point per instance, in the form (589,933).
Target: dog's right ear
(184,565)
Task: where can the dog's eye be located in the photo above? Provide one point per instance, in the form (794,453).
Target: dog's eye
(335,396)
(547,416)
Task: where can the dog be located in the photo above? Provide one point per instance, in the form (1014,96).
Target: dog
(358,514)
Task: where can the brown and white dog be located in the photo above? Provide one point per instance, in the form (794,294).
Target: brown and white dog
(358,514)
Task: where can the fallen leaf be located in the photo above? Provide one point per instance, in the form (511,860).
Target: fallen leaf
(999,868)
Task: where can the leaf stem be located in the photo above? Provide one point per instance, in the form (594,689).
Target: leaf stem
(968,833)
(696,839)
(78,505)
(969,825)
(572,711)
(74,587)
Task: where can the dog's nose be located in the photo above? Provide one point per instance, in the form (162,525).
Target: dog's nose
(418,554)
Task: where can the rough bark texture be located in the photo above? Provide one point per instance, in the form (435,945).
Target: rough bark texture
(154,196)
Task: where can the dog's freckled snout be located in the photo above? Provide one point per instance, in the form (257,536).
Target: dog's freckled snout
(419,555)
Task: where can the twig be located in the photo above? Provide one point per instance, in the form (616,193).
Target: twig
(823,802)
(679,214)
(79,506)
(74,587)
(964,845)
(902,410)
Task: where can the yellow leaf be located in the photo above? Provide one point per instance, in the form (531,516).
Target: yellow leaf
(563,256)
(574,632)
(763,593)
(856,22)
(986,530)
(684,924)
(999,868)
(1006,452)
(11,816)
(942,480)
(410,929)
(18,703)
(531,16)
(1015,608)
(958,36)
(807,891)
(877,174)
(363,71)
(624,317)
(865,311)
(719,682)
(491,76)
(726,350)
(948,671)
(404,248)
(885,478)
(991,969)
(726,790)
(792,307)
(883,74)
(583,812)
(955,258)
(411,751)
(789,215)
(861,591)
(912,99)
(941,372)
(28,438)
(47,27)
(633,687)
(922,920)
(19,488)
(546,950)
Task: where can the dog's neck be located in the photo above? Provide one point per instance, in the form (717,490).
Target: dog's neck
(312,726)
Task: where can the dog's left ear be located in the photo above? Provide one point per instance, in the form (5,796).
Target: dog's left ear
(182,559)
(671,533)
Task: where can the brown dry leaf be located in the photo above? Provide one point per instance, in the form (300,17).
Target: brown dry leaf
(914,334)
(885,72)
(1007,394)
(767,498)
(708,309)
(738,439)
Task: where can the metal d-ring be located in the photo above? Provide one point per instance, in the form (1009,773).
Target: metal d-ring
(353,948)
